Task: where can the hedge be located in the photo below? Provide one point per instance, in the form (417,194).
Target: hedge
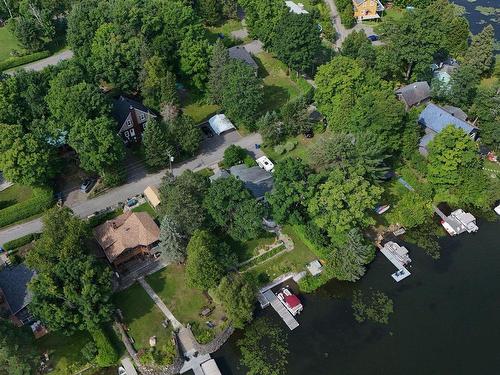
(13,62)
(106,352)
(21,241)
(40,201)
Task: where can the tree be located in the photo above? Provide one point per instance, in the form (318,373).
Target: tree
(347,17)
(264,348)
(186,135)
(156,144)
(294,116)
(350,255)
(96,143)
(342,202)
(219,59)
(375,306)
(116,59)
(207,260)
(486,107)
(193,52)
(17,354)
(71,291)
(297,40)
(30,33)
(263,18)
(243,93)
(234,155)
(480,54)
(172,241)
(271,128)
(452,154)
(209,11)
(411,210)
(289,197)
(238,297)
(182,200)
(463,86)
(233,208)
(158,83)
(357,46)
(24,158)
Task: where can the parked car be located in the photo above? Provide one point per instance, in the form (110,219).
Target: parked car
(87,185)
(373,37)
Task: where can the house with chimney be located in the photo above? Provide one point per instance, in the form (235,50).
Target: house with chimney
(132,117)
(129,236)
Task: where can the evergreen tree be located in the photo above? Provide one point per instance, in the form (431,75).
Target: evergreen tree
(158,83)
(216,85)
(156,144)
(480,53)
(172,241)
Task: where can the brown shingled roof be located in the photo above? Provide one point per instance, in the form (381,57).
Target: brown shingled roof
(127,231)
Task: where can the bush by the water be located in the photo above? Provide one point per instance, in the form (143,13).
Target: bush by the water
(21,241)
(40,201)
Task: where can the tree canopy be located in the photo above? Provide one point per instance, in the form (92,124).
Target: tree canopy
(238,297)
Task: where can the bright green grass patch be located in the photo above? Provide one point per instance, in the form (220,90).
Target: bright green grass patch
(171,285)
(8,42)
(141,316)
(64,351)
(226,28)
(146,207)
(293,261)
(200,111)
(278,86)
(14,194)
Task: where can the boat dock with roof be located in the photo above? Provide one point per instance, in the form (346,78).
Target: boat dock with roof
(397,255)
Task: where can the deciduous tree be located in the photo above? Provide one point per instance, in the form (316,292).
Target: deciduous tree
(186,135)
(193,52)
(17,353)
(238,297)
(480,53)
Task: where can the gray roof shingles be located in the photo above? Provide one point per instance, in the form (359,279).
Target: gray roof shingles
(415,93)
(436,118)
(14,283)
(240,53)
(257,180)
(121,108)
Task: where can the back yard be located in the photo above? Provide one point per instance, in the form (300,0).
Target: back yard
(8,42)
(14,194)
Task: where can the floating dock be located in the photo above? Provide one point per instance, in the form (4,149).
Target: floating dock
(280,309)
(397,255)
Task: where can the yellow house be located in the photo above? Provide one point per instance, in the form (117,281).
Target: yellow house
(367,9)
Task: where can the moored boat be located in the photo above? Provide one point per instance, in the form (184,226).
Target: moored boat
(290,301)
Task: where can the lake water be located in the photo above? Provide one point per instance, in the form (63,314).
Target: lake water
(446,318)
(481,12)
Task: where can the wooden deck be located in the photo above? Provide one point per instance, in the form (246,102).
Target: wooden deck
(281,310)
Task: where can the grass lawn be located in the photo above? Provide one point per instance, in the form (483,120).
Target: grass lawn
(226,28)
(197,108)
(295,260)
(146,207)
(141,316)
(14,194)
(248,249)
(184,302)
(64,351)
(278,86)
(8,42)
(491,165)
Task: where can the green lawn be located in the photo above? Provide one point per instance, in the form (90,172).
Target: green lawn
(14,194)
(146,207)
(8,42)
(64,351)
(248,249)
(141,316)
(278,86)
(295,260)
(184,302)
(226,28)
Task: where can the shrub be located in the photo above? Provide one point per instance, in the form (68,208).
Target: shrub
(249,161)
(13,62)
(279,149)
(21,241)
(290,145)
(234,155)
(106,353)
(41,200)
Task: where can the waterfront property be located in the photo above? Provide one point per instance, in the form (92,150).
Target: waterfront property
(397,255)
(459,222)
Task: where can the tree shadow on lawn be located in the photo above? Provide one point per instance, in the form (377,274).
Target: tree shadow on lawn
(274,97)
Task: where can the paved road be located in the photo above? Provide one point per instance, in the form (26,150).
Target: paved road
(211,153)
(43,63)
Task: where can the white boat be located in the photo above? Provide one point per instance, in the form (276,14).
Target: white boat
(497,209)
(290,301)
(448,228)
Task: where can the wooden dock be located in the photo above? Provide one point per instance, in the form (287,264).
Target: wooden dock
(281,310)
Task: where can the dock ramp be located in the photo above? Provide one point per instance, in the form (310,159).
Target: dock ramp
(281,310)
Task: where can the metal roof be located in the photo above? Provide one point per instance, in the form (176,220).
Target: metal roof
(220,124)
(436,118)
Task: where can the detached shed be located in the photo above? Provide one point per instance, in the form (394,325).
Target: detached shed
(152,195)
(220,124)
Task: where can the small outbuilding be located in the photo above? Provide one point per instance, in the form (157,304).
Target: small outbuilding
(296,8)
(314,267)
(152,195)
(220,124)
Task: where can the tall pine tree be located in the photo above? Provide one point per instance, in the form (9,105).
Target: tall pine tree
(480,52)
(156,144)
(220,57)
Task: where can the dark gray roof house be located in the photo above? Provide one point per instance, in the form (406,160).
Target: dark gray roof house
(240,53)
(14,292)
(131,117)
(221,173)
(256,179)
(414,94)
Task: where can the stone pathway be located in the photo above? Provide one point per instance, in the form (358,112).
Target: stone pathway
(175,323)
